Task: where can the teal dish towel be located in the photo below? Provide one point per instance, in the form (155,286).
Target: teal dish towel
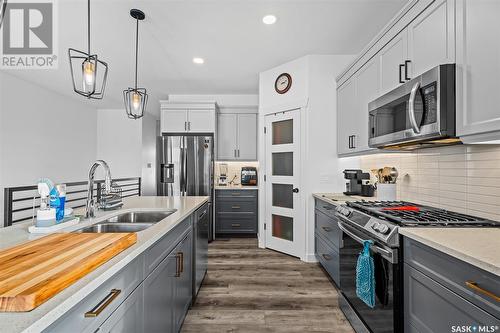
(365,276)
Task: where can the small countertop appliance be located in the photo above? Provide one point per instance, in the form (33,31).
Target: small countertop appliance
(249,176)
(357,179)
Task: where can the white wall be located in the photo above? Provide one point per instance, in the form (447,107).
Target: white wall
(43,134)
(119,142)
(222,100)
(150,130)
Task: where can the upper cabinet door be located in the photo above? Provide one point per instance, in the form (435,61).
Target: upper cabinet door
(392,56)
(478,66)
(201,121)
(227,136)
(431,38)
(367,89)
(346,108)
(247,137)
(173,121)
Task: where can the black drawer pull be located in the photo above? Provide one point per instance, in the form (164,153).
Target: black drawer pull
(235,225)
(327,229)
(327,256)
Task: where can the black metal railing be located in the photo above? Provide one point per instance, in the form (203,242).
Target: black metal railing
(19,201)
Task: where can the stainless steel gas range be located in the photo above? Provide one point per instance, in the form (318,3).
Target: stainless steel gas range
(380,221)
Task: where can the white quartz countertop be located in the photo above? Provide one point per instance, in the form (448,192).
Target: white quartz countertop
(477,246)
(48,312)
(236,187)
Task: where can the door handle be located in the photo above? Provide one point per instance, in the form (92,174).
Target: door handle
(350,141)
(177,265)
(295,190)
(185,126)
(406,69)
(181,260)
(354,142)
(103,304)
(235,155)
(411,109)
(400,67)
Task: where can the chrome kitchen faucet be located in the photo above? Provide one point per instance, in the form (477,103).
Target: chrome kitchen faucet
(110,198)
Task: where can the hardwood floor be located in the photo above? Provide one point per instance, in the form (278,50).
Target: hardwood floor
(248,289)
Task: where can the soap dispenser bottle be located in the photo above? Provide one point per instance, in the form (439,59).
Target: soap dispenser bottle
(45,215)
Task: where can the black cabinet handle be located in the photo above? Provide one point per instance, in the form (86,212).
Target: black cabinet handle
(406,69)
(354,142)
(295,190)
(350,142)
(400,67)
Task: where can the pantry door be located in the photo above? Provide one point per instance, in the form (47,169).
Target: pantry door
(284,223)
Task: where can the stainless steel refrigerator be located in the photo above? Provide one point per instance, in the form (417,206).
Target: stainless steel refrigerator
(186,167)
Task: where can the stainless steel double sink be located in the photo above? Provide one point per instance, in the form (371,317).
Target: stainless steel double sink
(134,221)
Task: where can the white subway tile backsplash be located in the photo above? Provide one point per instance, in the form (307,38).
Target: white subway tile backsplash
(463,178)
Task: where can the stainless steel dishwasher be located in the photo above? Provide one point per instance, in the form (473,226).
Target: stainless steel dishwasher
(200,246)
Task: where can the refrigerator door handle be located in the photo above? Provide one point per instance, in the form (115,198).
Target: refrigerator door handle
(185,162)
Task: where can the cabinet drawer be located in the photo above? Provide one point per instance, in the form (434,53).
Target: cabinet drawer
(236,193)
(328,228)
(236,223)
(326,208)
(329,258)
(235,205)
(125,281)
(431,307)
(159,250)
(453,274)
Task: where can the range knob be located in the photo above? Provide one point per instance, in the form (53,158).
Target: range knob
(375,226)
(383,228)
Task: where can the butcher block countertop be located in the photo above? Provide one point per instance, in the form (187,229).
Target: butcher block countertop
(33,272)
(48,312)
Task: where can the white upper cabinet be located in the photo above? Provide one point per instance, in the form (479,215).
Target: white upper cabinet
(237,136)
(227,134)
(201,121)
(186,117)
(247,136)
(392,59)
(478,69)
(173,121)
(367,89)
(431,38)
(346,120)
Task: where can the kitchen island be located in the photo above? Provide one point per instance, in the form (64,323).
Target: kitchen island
(146,254)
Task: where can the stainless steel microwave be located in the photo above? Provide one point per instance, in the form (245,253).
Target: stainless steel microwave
(419,113)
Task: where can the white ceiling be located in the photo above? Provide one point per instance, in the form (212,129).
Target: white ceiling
(228,34)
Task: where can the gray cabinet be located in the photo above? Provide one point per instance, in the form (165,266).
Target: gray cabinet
(437,292)
(150,294)
(237,136)
(328,239)
(236,211)
(478,70)
(128,317)
(168,290)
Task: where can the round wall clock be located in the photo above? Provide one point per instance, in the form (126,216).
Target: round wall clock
(283,83)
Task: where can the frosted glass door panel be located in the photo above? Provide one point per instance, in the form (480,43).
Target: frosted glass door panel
(283,195)
(283,227)
(283,164)
(283,132)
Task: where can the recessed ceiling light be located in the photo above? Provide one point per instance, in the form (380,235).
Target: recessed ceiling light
(269,19)
(198,61)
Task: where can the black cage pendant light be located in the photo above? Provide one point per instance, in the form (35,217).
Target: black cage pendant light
(88,73)
(3,8)
(135,98)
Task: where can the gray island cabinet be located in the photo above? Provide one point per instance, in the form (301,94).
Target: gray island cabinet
(151,294)
(445,294)
(328,239)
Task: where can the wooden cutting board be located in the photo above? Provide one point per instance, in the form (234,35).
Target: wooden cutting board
(33,272)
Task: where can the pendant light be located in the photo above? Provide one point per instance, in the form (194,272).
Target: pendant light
(86,69)
(135,98)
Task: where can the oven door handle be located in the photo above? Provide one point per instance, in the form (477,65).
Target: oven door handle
(389,255)
(411,109)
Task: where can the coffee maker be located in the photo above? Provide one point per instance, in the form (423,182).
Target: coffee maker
(357,183)
(222,175)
